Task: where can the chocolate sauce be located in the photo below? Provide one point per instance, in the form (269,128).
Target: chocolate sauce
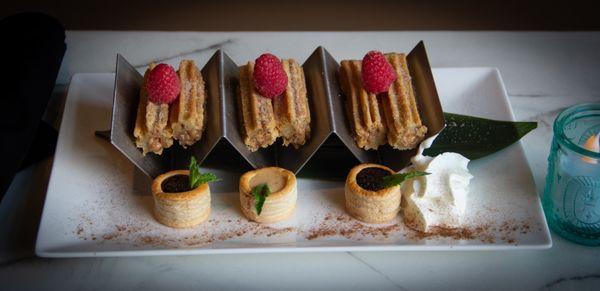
(176,184)
(372,178)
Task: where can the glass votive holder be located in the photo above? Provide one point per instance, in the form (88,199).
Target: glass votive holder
(571,197)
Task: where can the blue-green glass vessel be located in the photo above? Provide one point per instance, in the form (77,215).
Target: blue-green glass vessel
(572,194)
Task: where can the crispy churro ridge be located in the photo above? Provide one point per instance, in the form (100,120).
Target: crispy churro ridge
(362,108)
(291,109)
(188,112)
(258,119)
(405,129)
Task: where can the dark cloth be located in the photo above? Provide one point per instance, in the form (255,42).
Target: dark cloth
(32,49)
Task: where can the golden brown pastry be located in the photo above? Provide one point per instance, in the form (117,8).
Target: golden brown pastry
(363,109)
(278,205)
(152,130)
(259,128)
(292,114)
(366,198)
(404,127)
(187,112)
(175,205)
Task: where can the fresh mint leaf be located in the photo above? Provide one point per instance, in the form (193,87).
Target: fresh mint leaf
(197,178)
(206,178)
(397,179)
(260,192)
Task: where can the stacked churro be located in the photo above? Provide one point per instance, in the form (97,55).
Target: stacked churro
(187,113)
(273,103)
(172,106)
(152,130)
(291,109)
(362,107)
(405,130)
(380,102)
(258,119)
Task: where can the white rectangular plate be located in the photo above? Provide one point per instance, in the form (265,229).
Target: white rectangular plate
(98,204)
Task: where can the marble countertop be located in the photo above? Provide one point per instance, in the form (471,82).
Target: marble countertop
(544,72)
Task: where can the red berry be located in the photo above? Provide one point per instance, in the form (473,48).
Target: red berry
(377,73)
(269,76)
(163,84)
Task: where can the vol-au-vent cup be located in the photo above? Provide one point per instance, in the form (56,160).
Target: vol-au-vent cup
(279,204)
(175,204)
(571,197)
(366,198)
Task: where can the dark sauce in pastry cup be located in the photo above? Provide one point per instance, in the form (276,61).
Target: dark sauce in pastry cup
(175,204)
(371,178)
(176,184)
(366,197)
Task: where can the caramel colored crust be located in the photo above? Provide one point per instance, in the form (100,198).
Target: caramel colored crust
(405,130)
(180,210)
(291,109)
(188,111)
(362,108)
(258,118)
(152,130)
(371,206)
(278,206)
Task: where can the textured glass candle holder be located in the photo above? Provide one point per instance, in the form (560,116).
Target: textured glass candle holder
(572,194)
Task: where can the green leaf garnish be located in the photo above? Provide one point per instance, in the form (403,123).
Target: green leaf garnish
(397,179)
(197,178)
(260,192)
(475,137)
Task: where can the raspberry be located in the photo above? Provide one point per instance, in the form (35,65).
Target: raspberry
(270,79)
(377,73)
(163,84)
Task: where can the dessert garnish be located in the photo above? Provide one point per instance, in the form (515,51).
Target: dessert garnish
(197,178)
(263,117)
(260,192)
(397,179)
(440,198)
(163,84)
(188,115)
(183,183)
(377,73)
(375,179)
(391,117)
(476,137)
(269,76)
(182,197)
(268,194)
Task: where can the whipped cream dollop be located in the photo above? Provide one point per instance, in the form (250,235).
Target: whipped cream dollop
(440,198)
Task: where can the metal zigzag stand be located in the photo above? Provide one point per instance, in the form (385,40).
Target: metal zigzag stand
(328,120)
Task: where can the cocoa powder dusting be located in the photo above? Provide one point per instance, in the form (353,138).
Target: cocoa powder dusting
(138,234)
(457,233)
(331,225)
(346,226)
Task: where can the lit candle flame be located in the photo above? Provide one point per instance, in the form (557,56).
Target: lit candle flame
(592,144)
